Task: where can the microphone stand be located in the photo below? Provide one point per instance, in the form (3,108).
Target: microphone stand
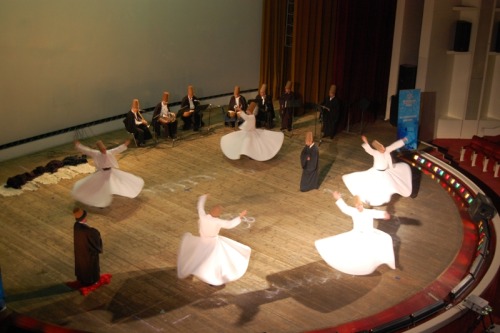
(198,113)
(318,108)
(200,109)
(269,119)
(268,116)
(292,104)
(209,117)
(237,108)
(180,113)
(349,113)
(210,108)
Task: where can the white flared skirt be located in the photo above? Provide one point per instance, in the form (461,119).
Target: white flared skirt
(357,253)
(377,187)
(259,144)
(98,189)
(214,260)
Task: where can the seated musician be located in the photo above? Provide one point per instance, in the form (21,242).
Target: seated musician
(236,103)
(265,113)
(189,111)
(137,125)
(162,117)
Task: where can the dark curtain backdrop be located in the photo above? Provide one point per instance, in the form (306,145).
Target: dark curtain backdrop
(274,60)
(342,42)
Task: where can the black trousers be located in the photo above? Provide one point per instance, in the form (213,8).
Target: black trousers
(169,129)
(142,134)
(194,121)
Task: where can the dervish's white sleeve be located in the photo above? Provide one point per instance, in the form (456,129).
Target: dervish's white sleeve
(395,145)
(201,206)
(86,150)
(368,148)
(348,210)
(118,149)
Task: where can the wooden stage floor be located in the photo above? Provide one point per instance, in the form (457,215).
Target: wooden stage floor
(287,288)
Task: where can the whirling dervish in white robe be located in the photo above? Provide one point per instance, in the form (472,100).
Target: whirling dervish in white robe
(376,185)
(98,189)
(256,143)
(210,257)
(361,250)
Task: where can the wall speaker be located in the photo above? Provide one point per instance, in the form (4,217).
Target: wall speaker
(407,77)
(496,44)
(462,36)
(481,208)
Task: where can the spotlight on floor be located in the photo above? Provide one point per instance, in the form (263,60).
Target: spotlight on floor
(428,311)
(482,208)
(461,287)
(476,266)
(393,326)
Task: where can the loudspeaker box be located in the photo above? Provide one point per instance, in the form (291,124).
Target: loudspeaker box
(496,45)
(407,77)
(481,208)
(462,36)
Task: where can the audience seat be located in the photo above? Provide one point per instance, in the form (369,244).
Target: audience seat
(483,152)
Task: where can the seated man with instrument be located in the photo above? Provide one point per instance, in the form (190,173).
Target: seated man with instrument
(137,125)
(190,112)
(236,103)
(265,113)
(162,117)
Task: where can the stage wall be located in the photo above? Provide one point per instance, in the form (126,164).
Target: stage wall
(69,62)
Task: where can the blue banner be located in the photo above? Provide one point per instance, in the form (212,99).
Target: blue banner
(408,116)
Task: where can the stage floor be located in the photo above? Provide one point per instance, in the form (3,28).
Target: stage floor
(287,288)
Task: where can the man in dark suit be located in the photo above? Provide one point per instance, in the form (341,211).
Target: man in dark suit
(137,125)
(287,107)
(189,111)
(236,103)
(162,117)
(330,116)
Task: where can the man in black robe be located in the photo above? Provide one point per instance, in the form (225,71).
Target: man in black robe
(331,115)
(309,160)
(87,247)
(287,101)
